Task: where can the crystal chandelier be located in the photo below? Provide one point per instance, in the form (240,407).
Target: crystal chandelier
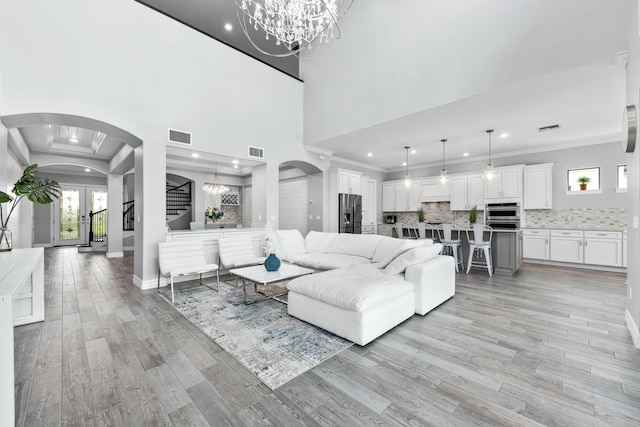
(407,178)
(489,173)
(442,179)
(295,24)
(214,188)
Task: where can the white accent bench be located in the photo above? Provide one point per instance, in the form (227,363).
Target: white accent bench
(238,251)
(182,259)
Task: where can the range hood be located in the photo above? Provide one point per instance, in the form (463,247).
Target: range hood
(433,192)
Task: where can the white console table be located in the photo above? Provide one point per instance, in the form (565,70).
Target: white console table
(21,302)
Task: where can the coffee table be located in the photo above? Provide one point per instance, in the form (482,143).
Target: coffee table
(259,276)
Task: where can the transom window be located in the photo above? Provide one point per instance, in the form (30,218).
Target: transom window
(588,176)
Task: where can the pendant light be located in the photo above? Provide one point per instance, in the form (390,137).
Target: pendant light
(443,179)
(214,188)
(489,173)
(407,178)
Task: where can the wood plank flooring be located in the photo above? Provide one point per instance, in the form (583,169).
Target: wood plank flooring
(547,346)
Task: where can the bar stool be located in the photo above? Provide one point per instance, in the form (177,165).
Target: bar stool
(400,231)
(480,248)
(450,245)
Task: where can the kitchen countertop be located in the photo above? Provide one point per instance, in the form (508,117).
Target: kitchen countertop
(575,228)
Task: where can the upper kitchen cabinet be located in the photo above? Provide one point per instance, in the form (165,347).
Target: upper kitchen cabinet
(398,198)
(369,201)
(432,191)
(467,191)
(348,181)
(537,186)
(506,185)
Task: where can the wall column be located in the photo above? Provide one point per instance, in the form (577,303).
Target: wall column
(150,210)
(265,195)
(115,187)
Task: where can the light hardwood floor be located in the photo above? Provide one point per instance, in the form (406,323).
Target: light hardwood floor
(545,346)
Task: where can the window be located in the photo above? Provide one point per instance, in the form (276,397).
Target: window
(590,177)
(622,177)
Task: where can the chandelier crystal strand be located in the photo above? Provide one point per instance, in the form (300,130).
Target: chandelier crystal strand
(442,180)
(296,24)
(214,188)
(489,173)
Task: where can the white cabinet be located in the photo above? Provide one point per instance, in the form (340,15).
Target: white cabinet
(603,248)
(348,181)
(369,203)
(389,196)
(507,184)
(535,244)
(467,191)
(538,186)
(398,198)
(566,246)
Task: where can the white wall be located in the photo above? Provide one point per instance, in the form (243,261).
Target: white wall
(379,70)
(633,159)
(136,69)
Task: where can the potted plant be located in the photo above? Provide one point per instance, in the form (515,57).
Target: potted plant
(583,181)
(473,215)
(422,234)
(36,189)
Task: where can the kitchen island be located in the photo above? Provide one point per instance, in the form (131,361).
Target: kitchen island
(506,249)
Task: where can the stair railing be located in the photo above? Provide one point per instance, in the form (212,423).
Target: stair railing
(127,216)
(97,226)
(178,197)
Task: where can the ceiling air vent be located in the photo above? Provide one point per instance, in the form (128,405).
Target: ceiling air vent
(548,128)
(179,137)
(256,152)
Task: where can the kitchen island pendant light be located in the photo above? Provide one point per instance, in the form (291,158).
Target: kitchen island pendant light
(489,174)
(407,178)
(443,179)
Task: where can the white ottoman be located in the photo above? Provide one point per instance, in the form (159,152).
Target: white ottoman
(356,304)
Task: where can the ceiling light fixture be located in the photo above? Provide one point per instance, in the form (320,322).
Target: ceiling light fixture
(295,24)
(195,155)
(489,173)
(369,154)
(407,178)
(87,170)
(215,188)
(465,154)
(228,26)
(504,135)
(442,179)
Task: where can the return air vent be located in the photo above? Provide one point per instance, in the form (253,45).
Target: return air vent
(548,128)
(179,137)
(256,152)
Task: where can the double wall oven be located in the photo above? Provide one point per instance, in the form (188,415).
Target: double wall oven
(503,215)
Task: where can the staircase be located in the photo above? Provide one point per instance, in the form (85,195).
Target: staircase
(178,201)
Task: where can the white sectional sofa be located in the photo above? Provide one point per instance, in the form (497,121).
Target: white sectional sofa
(367,284)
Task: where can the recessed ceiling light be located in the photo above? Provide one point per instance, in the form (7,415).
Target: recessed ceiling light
(404,163)
(504,135)
(465,154)
(235,166)
(195,155)
(235,162)
(87,170)
(369,154)
(413,151)
(228,26)
(73,139)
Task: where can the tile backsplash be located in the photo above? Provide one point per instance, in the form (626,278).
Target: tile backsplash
(587,218)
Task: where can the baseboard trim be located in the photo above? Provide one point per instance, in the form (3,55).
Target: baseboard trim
(143,285)
(115,254)
(42,245)
(633,329)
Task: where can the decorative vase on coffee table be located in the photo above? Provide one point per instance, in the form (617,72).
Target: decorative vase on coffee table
(272,263)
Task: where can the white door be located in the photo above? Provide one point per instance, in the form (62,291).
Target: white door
(71,213)
(294,205)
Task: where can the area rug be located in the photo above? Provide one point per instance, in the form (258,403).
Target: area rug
(274,346)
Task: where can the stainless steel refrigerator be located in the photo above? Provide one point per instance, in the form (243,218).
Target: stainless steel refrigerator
(350,213)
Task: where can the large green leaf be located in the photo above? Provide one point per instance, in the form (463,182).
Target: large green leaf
(4,197)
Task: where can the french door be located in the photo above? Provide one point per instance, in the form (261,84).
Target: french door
(71,213)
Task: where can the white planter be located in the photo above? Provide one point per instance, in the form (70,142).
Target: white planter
(422,234)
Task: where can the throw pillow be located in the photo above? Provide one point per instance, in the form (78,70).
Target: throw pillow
(317,241)
(389,248)
(291,243)
(412,256)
